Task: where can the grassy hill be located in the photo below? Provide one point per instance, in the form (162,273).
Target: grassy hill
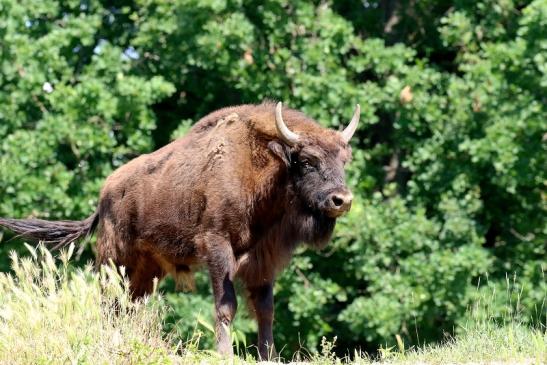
(51,312)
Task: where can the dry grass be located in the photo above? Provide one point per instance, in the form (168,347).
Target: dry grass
(51,313)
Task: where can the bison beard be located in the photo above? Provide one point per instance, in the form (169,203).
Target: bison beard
(237,194)
(314,228)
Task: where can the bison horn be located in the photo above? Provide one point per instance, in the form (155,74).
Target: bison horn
(352,126)
(286,135)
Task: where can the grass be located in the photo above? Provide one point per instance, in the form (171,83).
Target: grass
(52,313)
(512,344)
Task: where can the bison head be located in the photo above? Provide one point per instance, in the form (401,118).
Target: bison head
(316,166)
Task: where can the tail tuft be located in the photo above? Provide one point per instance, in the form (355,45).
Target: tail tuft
(56,233)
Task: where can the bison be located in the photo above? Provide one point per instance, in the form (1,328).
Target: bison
(237,194)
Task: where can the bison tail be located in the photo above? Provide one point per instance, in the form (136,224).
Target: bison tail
(55,233)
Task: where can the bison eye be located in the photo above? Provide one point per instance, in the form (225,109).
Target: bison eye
(306,165)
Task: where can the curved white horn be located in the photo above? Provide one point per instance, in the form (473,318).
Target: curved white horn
(286,135)
(352,126)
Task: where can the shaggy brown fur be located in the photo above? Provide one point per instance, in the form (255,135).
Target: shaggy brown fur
(229,195)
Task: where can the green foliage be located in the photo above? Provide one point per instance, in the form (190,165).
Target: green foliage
(449,160)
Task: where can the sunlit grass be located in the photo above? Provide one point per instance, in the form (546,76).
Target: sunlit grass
(485,344)
(52,313)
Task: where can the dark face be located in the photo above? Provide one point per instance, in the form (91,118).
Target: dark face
(319,179)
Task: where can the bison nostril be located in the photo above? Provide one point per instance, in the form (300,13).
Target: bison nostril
(338,201)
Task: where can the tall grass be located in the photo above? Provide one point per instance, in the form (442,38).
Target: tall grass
(52,313)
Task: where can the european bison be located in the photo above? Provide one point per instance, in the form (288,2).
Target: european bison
(238,193)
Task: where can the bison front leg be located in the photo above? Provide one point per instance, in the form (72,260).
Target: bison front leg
(221,265)
(262,301)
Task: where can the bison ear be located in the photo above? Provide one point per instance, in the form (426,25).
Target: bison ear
(281,151)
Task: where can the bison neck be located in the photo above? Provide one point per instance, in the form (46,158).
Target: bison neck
(278,212)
